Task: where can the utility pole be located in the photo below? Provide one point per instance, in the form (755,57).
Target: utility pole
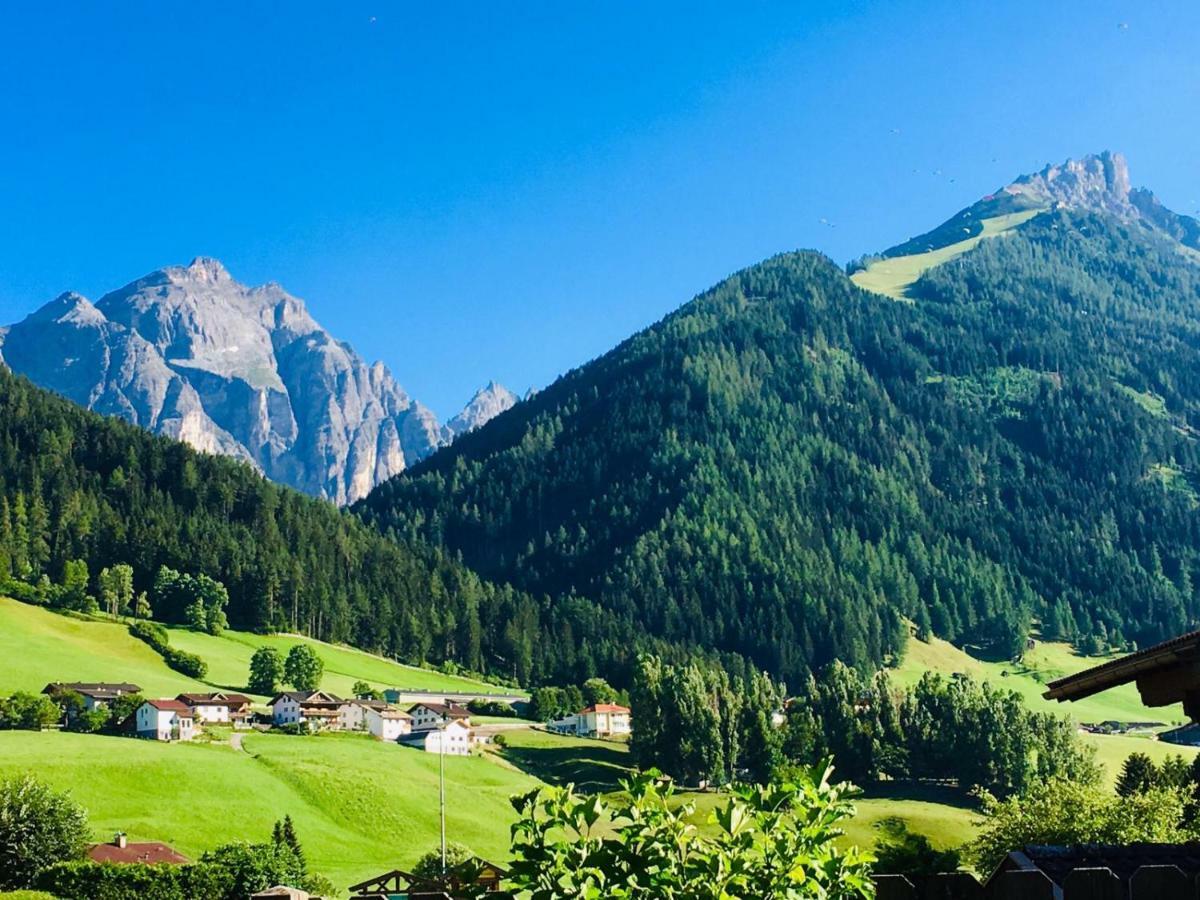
(442,788)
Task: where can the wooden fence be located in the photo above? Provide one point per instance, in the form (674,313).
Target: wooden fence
(1147,883)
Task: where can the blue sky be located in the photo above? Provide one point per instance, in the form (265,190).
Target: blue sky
(503,190)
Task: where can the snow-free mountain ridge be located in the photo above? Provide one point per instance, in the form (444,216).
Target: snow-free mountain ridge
(190,352)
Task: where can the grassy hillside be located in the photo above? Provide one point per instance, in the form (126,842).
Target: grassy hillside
(360,807)
(39,645)
(228,658)
(893,276)
(1044,663)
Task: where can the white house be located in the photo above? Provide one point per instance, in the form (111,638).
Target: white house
(217,707)
(165,720)
(431,715)
(388,724)
(454,740)
(353,714)
(603,720)
(317,708)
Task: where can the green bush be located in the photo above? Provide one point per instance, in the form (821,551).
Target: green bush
(109,881)
(180,660)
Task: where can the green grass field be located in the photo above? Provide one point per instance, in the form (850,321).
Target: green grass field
(39,645)
(894,276)
(228,658)
(1041,665)
(361,807)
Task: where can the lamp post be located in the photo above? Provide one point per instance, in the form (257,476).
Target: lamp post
(442,788)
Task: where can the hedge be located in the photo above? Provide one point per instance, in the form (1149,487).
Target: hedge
(180,660)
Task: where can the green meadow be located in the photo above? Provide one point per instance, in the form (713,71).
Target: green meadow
(361,807)
(39,645)
(893,277)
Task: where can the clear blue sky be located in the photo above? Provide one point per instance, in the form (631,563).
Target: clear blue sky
(505,190)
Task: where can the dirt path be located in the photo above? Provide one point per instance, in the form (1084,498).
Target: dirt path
(235,741)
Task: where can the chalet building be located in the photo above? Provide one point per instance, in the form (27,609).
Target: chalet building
(218,707)
(600,720)
(433,715)
(388,724)
(120,850)
(475,874)
(353,714)
(164,720)
(1166,673)
(318,709)
(95,694)
(452,740)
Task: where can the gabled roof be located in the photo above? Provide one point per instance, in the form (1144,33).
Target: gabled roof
(306,697)
(604,708)
(1176,652)
(392,713)
(217,698)
(170,706)
(98,690)
(149,853)
(452,710)
(1057,862)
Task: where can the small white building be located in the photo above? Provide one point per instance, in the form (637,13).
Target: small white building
(565,725)
(165,720)
(388,724)
(427,716)
(603,720)
(353,714)
(453,740)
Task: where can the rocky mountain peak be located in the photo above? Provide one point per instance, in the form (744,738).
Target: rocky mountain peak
(1098,182)
(190,352)
(489,401)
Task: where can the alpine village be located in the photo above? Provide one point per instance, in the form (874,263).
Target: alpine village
(840,580)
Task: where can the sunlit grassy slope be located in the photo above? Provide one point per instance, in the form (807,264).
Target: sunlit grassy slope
(1043,664)
(361,807)
(894,276)
(39,645)
(228,658)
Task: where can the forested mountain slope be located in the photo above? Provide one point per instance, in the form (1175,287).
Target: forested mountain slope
(788,464)
(75,485)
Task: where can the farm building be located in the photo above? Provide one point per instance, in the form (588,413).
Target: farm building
(217,707)
(388,724)
(453,740)
(426,716)
(316,708)
(94,693)
(150,853)
(165,720)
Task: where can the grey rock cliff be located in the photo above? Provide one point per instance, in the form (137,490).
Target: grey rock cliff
(244,371)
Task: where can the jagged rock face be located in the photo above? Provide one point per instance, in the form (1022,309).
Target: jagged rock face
(1098,182)
(243,371)
(487,403)
(1101,183)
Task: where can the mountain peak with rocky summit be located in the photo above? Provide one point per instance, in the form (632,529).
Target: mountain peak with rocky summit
(191,352)
(489,401)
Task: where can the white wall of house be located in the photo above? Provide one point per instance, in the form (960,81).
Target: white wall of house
(387,727)
(207,713)
(285,711)
(565,725)
(455,740)
(603,723)
(164,724)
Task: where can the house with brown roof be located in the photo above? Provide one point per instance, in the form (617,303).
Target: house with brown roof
(1166,673)
(218,706)
(317,709)
(430,716)
(165,720)
(598,720)
(121,851)
(95,694)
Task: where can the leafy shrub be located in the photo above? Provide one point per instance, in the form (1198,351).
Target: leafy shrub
(180,660)
(492,708)
(38,827)
(109,881)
